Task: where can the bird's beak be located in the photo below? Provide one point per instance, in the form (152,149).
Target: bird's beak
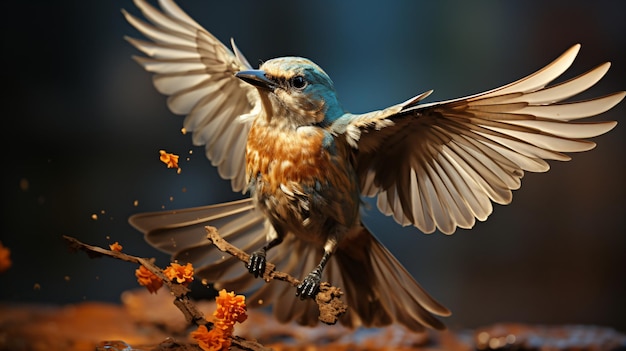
(257,78)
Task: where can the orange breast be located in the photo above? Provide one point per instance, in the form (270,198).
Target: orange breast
(302,180)
(280,157)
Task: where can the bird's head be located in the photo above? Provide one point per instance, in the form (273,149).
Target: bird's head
(295,92)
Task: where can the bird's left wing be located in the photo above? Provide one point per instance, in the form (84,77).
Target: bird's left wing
(440,165)
(196,71)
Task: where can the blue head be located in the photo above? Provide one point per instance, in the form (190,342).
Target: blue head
(295,92)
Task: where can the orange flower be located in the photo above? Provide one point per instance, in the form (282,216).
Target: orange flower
(211,340)
(230,307)
(5,258)
(170,160)
(116,247)
(225,327)
(148,279)
(180,274)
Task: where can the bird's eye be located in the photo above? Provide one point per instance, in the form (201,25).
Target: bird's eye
(298,82)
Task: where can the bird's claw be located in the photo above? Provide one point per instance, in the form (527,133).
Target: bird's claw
(310,285)
(257,262)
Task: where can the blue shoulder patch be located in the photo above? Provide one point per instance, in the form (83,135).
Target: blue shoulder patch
(328,143)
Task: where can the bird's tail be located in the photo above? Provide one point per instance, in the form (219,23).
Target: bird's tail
(378,290)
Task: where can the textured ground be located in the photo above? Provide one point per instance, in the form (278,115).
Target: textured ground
(150,323)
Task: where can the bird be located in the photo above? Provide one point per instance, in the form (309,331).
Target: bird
(280,135)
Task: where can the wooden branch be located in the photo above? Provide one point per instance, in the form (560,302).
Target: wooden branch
(328,297)
(179,291)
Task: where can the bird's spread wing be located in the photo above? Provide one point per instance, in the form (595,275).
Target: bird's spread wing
(196,71)
(440,165)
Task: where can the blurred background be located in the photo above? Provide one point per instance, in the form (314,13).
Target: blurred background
(84,126)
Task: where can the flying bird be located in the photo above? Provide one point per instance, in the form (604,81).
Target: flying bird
(280,134)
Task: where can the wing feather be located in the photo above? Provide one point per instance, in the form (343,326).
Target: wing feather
(170,8)
(539,79)
(440,165)
(196,71)
(575,110)
(169,66)
(567,89)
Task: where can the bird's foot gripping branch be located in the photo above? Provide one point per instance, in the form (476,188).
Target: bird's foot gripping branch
(327,298)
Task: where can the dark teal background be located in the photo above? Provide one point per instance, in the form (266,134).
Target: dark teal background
(82,124)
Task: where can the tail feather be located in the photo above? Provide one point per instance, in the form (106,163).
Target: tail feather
(181,233)
(170,231)
(378,290)
(246,283)
(300,259)
(365,303)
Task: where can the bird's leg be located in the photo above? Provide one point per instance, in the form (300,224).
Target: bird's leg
(257,262)
(311,284)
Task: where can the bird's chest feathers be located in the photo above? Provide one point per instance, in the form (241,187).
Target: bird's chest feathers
(301,179)
(278,158)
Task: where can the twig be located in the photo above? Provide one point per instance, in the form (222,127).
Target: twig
(179,291)
(328,297)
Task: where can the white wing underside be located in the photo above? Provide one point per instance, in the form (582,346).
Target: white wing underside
(196,71)
(440,165)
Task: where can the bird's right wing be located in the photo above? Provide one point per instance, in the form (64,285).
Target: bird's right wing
(440,165)
(196,71)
